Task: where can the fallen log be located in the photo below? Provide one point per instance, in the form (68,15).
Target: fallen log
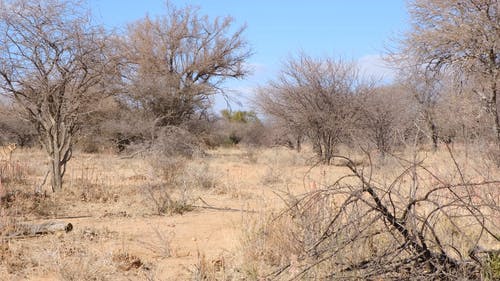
(29,230)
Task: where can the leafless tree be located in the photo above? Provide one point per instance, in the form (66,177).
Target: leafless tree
(56,66)
(460,116)
(386,116)
(178,61)
(426,88)
(317,97)
(461,37)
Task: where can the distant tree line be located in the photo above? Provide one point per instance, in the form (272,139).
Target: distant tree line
(446,87)
(65,80)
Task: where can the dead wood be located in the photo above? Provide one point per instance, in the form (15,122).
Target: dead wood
(29,230)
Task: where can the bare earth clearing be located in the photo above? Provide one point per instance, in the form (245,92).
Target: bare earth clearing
(119,223)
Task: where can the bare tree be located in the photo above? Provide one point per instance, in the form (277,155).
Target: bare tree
(386,117)
(317,97)
(463,37)
(426,88)
(180,60)
(56,66)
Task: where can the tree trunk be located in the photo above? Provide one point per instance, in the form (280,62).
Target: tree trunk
(60,152)
(317,146)
(55,157)
(494,112)
(328,150)
(56,172)
(27,230)
(493,71)
(433,129)
(434,136)
(299,143)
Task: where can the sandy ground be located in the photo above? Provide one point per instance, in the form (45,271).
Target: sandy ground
(117,233)
(111,218)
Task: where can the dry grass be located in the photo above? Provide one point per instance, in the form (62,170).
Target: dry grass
(278,244)
(233,225)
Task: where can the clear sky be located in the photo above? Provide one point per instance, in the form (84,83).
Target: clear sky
(276,29)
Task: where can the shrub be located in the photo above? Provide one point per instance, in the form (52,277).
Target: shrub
(174,142)
(361,227)
(160,198)
(199,175)
(167,169)
(13,172)
(492,267)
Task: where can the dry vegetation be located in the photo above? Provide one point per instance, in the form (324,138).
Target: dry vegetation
(113,165)
(247,214)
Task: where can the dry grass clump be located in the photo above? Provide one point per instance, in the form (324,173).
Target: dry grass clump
(18,200)
(165,191)
(284,155)
(15,196)
(81,264)
(174,141)
(78,255)
(163,199)
(166,169)
(278,162)
(489,153)
(275,242)
(126,261)
(172,182)
(14,172)
(91,184)
(87,183)
(179,172)
(206,269)
(198,174)
(265,246)
(163,244)
(273,175)
(492,267)
(251,155)
(14,261)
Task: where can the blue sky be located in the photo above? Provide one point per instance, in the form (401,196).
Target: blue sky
(352,29)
